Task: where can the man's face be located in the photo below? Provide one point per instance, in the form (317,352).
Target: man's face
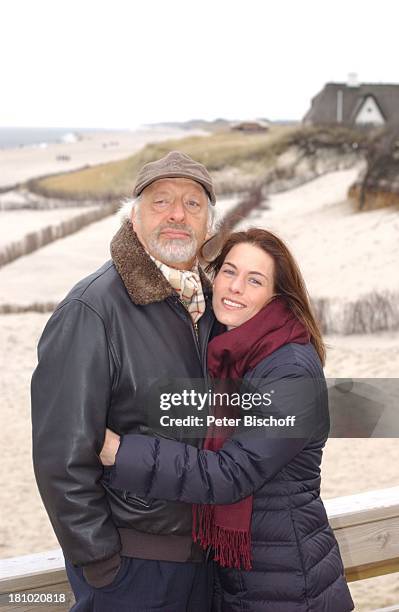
(171,220)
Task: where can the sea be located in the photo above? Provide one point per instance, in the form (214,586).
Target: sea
(11,137)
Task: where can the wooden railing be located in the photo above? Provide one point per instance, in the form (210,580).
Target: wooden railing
(366,527)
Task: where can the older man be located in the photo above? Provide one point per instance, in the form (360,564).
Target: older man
(144,314)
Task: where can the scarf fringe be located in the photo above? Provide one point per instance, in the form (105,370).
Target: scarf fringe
(232,547)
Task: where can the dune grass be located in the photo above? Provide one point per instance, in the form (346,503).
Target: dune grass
(250,152)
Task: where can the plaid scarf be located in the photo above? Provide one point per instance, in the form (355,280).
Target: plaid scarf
(187,284)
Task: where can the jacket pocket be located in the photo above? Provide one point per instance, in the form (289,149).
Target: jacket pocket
(118,578)
(134,499)
(128,499)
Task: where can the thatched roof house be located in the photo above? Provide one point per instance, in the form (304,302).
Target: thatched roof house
(355,104)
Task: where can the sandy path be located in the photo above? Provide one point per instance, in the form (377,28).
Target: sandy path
(17,223)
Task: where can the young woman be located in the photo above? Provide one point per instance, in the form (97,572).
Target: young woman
(259,487)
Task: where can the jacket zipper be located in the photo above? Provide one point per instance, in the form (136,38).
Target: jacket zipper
(206,340)
(194,329)
(194,326)
(203,360)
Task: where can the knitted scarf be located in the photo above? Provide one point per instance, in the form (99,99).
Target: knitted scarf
(227,528)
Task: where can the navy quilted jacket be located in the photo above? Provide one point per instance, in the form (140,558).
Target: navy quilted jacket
(296,561)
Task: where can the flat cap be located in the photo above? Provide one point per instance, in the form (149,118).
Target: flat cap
(175,165)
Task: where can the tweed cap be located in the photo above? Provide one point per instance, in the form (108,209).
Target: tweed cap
(174,165)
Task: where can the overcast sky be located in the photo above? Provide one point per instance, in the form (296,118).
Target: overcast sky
(121,63)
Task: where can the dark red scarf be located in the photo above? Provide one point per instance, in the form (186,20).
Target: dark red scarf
(227,529)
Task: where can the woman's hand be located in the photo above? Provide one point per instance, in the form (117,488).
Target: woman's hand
(110,448)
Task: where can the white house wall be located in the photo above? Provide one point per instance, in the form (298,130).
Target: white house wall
(369,113)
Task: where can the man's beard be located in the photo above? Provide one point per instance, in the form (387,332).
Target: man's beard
(172,250)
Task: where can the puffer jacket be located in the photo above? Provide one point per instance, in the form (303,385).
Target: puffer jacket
(296,565)
(116,332)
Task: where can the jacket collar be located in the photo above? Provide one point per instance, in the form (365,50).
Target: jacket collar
(144,282)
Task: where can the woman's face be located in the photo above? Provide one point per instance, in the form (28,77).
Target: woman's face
(243,285)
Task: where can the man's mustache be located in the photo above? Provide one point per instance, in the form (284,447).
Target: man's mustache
(176,226)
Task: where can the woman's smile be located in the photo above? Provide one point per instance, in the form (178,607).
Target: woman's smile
(232,304)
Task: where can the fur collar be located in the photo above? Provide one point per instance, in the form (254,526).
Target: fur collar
(144,282)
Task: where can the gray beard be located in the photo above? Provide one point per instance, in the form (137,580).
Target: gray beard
(173,251)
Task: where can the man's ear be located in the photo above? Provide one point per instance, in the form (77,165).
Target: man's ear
(133,218)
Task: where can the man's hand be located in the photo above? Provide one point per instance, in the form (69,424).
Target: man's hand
(110,448)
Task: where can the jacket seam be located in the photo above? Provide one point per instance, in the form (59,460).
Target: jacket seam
(243,607)
(328,586)
(275,543)
(110,343)
(299,554)
(79,297)
(183,478)
(270,495)
(157,448)
(324,557)
(293,360)
(93,563)
(259,509)
(95,278)
(313,533)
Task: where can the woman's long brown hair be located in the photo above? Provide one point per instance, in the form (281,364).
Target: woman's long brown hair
(288,281)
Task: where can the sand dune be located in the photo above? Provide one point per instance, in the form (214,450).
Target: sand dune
(342,254)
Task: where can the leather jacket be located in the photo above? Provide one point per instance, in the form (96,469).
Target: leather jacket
(116,332)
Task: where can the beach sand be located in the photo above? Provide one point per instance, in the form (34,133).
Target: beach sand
(23,163)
